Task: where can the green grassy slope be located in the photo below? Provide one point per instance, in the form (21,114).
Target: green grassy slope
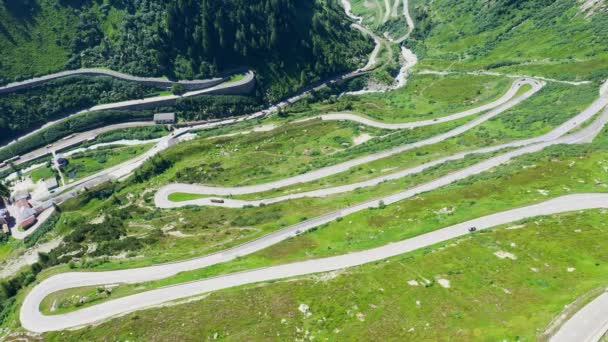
(34,39)
(488,298)
(552,38)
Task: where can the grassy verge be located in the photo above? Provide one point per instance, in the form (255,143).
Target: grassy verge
(43,172)
(83,164)
(520,297)
(285,151)
(182,196)
(532,178)
(423,97)
(131,133)
(534,117)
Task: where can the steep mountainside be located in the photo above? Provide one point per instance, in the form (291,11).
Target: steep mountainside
(554,38)
(288,42)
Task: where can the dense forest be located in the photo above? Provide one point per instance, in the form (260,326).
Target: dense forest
(25,109)
(288,42)
(200,108)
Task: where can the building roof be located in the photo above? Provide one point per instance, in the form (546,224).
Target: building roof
(51,183)
(20,195)
(26,214)
(164,117)
(28,222)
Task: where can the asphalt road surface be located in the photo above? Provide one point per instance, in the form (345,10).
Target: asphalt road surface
(556,136)
(373,123)
(157,81)
(249,77)
(75,140)
(586,134)
(32,319)
(335,169)
(587,325)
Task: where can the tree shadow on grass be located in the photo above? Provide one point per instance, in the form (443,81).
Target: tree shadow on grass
(22,10)
(6,34)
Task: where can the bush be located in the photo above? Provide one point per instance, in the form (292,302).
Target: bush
(46,227)
(156,165)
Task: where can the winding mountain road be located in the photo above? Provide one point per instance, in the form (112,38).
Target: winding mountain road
(75,140)
(554,137)
(163,193)
(243,85)
(585,325)
(150,81)
(515,87)
(32,319)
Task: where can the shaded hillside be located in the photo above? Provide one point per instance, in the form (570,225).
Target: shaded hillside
(288,42)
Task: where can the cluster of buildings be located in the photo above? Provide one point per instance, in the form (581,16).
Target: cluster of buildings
(20,212)
(24,214)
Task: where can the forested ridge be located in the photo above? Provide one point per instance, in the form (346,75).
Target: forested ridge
(288,42)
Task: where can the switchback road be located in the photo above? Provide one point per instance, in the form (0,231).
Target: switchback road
(32,319)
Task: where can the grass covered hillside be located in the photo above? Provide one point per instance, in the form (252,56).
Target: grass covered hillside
(290,41)
(551,38)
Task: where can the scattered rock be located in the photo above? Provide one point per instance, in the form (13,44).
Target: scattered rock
(98,220)
(362,138)
(361,316)
(444,283)
(503,255)
(590,7)
(305,310)
(178,234)
(571,269)
(516,227)
(412,282)
(445,211)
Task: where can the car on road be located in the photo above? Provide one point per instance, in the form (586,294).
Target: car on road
(472,229)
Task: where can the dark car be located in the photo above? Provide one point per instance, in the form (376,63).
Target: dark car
(472,229)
